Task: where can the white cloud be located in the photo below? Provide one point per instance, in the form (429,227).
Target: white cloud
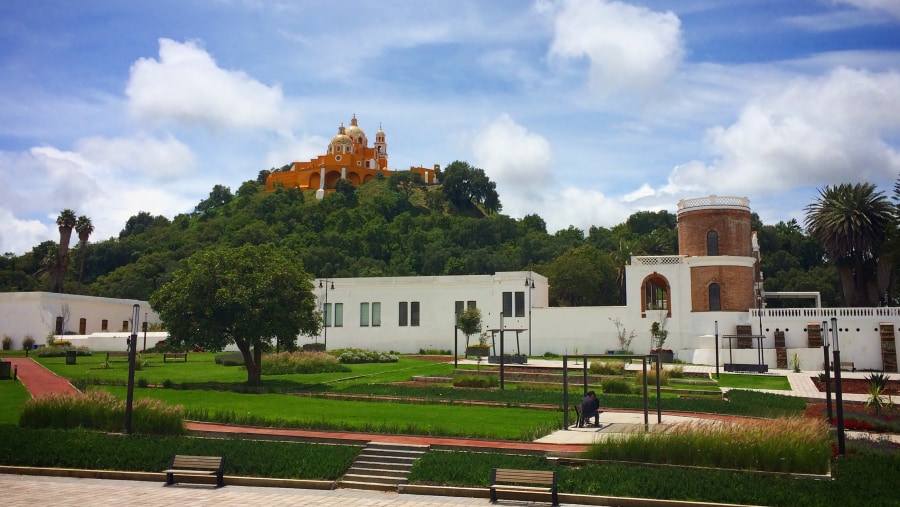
(891,7)
(628,47)
(517,160)
(162,159)
(187,86)
(289,148)
(20,235)
(815,131)
(583,208)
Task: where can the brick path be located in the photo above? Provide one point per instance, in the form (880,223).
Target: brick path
(38,380)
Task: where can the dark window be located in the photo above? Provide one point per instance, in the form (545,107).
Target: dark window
(104,325)
(715,298)
(458,308)
(82,326)
(471,304)
(414,313)
(712,243)
(376,314)
(364,314)
(403,313)
(507,304)
(520,304)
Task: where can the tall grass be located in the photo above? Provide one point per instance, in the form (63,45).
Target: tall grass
(651,377)
(795,445)
(100,410)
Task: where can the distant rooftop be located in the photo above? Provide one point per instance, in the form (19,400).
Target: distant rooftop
(714,201)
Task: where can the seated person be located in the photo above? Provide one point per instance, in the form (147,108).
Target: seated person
(590,407)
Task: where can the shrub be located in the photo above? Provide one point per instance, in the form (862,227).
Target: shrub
(7,342)
(230,359)
(285,363)
(142,382)
(651,377)
(676,371)
(313,347)
(28,342)
(60,351)
(100,410)
(607,368)
(617,387)
(360,356)
(477,381)
(795,445)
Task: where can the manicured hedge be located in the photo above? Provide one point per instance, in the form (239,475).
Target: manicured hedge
(103,451)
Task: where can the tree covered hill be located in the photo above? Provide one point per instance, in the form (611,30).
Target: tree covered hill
(399,227)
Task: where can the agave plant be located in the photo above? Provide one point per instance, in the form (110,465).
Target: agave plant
(877,385)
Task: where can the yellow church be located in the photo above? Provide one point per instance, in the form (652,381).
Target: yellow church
(348,157)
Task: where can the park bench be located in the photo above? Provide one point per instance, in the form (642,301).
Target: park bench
(196,466)
(175,355)
(846,366)
(110,355)
(514,481)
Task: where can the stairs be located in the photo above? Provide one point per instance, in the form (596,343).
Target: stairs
(382,466)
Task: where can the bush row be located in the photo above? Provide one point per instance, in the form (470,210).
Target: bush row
(93,450)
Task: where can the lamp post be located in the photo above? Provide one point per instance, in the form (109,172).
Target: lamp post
(132,352)
(827,368)
(529,282)
(145,324)
(717,349)
(838,395)
(325,312)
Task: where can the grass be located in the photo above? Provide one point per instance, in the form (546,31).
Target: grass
(744,381)
(315,413)
(13,396)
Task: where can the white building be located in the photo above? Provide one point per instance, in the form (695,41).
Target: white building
(709,293)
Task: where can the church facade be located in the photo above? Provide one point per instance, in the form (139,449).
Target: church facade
(348,157)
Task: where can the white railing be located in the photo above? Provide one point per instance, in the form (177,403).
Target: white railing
(657,260)
(714,201)
(826,313)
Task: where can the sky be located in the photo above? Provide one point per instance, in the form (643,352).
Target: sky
(581,111)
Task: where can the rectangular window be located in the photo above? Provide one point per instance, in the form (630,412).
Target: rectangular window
(104,325)
(520,304)
(471,304)
(326,314)
(376,314)
(339,315)
(124,326)
(403,313)
(414,313)
(364,314)
(507,304)
(459,307)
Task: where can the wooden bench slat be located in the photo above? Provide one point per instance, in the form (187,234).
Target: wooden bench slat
(196,466)
(505,475)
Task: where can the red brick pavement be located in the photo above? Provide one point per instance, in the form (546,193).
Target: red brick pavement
(38,380)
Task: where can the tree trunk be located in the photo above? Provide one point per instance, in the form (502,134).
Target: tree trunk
(252,363)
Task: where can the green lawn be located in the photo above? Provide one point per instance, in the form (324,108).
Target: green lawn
(305,412)
(201,368)
(12,396)
(745,381)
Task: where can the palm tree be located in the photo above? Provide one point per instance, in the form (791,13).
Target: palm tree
(851,222)
(84,228)
(66,222)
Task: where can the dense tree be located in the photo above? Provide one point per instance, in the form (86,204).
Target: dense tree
(60,265)
(469,322)
(84,228)
(406,182)
(583,276)
(219,196)
(851,222)
(246,296)
(464,186)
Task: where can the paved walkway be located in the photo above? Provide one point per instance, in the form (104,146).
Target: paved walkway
(70,492)
(38,380)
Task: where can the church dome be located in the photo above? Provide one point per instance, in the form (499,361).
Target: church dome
(354,131)
(341,139)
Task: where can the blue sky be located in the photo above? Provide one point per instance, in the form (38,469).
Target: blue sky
(582,111)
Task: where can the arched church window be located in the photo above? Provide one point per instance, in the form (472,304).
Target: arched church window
(712,243)
(715,298)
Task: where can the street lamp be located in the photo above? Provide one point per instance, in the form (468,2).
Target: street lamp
(838,395)
(325,313)
(827,368)
(529,282)
(132,352)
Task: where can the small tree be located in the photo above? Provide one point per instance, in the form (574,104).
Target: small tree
(469,322)
(658,332)
(625,337)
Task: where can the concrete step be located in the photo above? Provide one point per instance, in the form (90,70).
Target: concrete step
(382,465)
(380,472)
(373,486)
(373,478)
